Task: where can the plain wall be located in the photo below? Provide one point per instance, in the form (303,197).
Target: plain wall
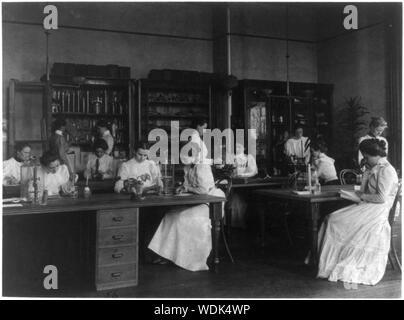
(259,51)
(353,61)
(24,45)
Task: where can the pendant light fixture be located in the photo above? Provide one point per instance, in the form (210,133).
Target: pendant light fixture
(287,51)
(47,34)
(288,95)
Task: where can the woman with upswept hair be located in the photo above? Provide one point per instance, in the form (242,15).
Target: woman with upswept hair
(354,241)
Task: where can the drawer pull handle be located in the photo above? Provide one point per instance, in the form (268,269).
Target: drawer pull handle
(117,219)
(117,255)
(117,236)
(116,274)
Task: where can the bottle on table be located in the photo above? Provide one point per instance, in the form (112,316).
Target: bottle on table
(316,188)
(87,192)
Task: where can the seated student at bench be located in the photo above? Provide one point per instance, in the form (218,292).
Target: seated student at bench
(354,241)
(323,164)
(139,168)
(184,235)
(245,167)
(12,166)
(100,165)
(55,176)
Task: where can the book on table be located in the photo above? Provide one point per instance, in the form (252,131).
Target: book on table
(350,195)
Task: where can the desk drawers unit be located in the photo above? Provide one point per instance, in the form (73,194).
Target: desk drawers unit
(116,263)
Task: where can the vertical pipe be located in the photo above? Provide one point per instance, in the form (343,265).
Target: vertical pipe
(287,51)
(287,71)
(229,99)
(228,30)
(47,54)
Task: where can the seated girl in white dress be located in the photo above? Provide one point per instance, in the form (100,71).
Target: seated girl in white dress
(100,165)
(184,235)
(323,164)
(245,167)
(139,168)
(55,177)
(354,241)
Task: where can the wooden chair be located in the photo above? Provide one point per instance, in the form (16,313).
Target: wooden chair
(224,183)
(345,172)
(393,215)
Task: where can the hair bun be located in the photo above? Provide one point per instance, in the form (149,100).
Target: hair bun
(382,144)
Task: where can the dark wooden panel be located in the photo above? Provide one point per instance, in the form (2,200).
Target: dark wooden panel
(328,193)
(116,236)
(113,218)
(117,255)
(28,113)
(116,274)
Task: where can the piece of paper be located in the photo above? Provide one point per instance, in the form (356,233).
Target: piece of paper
(10,205)
(184,194)
(349,195)
(302,193)
(15,200)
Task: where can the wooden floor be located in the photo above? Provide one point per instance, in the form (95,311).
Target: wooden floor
(276,271)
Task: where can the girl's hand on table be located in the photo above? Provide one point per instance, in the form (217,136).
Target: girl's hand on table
(179,190)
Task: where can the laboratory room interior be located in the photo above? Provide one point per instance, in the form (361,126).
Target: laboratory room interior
(202,150)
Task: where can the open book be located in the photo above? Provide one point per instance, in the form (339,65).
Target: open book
(350,195)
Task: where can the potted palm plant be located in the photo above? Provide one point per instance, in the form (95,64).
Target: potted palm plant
(351,124)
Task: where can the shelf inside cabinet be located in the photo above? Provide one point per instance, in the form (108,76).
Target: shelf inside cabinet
(79,114)
(173,116)
(181,103)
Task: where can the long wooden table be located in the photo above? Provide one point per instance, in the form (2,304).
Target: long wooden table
(251,183)
(117,229)
(312,202)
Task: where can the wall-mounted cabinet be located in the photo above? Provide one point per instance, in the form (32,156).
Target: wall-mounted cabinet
(26,116)
(33,106)
(265,106)
(84,104)
(161,102)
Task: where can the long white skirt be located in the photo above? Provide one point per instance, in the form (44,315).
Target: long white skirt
(184,236)
(354,243)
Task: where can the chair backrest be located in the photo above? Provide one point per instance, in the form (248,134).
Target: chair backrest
(396,205)
(345,172)
(224,184)
(223,178)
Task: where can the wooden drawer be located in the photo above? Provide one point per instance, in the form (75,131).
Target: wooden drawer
(117,218)
(117,255)
(126,273)
(116,236)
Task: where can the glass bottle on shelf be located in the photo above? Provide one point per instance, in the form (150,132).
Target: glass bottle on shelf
(114,128)
(114,102)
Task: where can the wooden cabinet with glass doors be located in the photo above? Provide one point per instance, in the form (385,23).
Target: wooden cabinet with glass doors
(265,107)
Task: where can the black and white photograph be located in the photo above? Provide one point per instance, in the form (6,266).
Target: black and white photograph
(201,150)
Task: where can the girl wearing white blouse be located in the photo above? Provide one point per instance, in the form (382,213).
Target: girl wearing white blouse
(100,165)
(354,241)
(323,164)
(139,168)
(184,235)
(55,176)
(12,166)
(298,147)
